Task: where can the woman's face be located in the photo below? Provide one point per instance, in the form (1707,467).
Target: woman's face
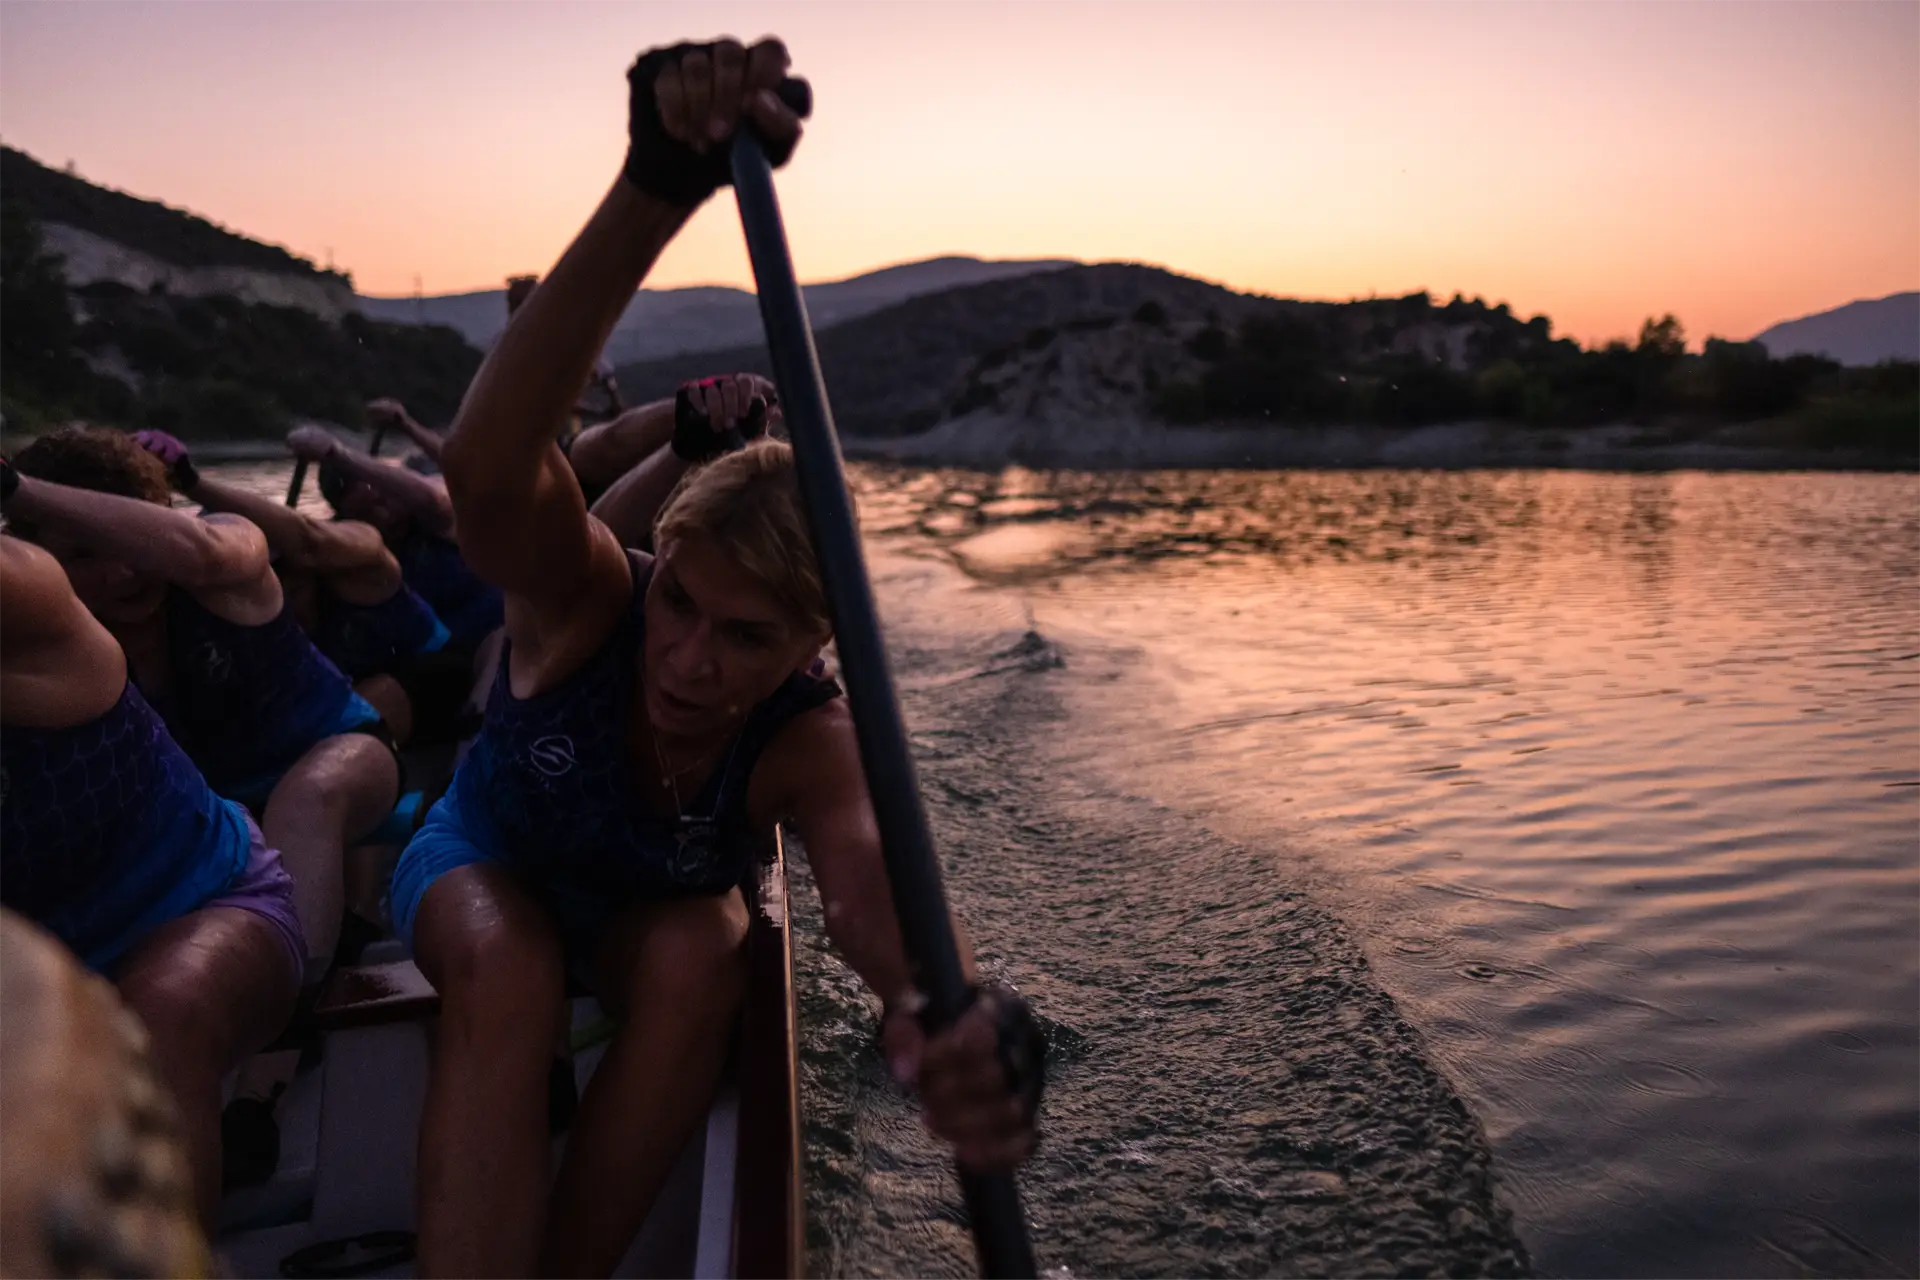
(717,641)
(113,592)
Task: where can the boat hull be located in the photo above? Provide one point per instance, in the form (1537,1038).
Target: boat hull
(732,1205)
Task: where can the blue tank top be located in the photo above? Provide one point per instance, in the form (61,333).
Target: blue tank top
(548,785)
(367,639)
(467,603)
(107,830)
(247,702)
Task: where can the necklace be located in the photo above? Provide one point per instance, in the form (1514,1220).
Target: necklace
(670,775)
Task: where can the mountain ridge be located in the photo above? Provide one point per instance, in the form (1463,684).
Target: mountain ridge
(661,323)
(1865,331)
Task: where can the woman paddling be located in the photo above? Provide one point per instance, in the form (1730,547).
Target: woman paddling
(652,720)
(112,840)
(212,644)
(346,590)
(414,516)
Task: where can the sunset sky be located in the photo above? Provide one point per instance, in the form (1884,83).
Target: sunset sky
(1736,164)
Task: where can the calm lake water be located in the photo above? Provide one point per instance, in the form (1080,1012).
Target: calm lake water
(1614,778)
(1310,806)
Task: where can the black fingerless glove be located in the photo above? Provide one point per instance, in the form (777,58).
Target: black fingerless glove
(9,480)
(1023,1044)
(694,439)
(664,166)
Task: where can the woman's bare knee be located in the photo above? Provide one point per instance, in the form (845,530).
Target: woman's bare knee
(348,783)
(490,951)
(685,951)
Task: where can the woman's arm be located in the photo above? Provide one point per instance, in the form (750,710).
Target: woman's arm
(970,1100)
(389,414)
(630,506)
(601,454)
(59,666)
(222,553)
(523,522)
(422,498)
(337,549)
(813,775)
(703,420)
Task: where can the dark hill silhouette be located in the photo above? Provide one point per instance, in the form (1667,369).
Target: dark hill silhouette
(667,322)
(1860,333)
(905,368)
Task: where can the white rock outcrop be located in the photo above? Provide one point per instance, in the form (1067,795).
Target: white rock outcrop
(88,259)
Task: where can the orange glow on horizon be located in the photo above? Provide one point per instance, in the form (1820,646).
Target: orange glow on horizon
(1734,164)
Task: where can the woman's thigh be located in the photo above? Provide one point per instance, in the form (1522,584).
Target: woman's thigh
(679,952)
(217,983)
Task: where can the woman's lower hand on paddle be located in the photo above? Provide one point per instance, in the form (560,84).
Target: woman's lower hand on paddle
(311,443)
(980,1080)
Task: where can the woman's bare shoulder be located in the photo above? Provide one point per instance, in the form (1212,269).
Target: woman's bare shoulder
(816,753)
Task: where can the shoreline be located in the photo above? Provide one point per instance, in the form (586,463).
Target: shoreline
(980,443)
(992,442)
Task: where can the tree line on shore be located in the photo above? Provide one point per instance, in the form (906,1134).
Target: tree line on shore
(1411,362)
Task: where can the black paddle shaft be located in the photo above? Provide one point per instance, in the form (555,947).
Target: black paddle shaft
(926,929)
(299,480)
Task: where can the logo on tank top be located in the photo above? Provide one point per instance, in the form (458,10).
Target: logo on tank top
(552,755)
(215,663)
(694,840)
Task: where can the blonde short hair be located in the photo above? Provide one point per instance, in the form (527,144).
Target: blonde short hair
(748,504)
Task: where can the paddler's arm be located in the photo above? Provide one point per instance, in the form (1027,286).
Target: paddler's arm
(390,414)
(524,525)
(720,413)
(963,1082)
(523,520)
(201,555)
(38,609)
(336,548)
(423,498)
(822,788)
(54,647)
(629,507)
(601,454)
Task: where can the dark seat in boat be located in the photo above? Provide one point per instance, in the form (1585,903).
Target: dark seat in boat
(373,995)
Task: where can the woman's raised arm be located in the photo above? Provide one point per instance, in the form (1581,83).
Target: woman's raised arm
(222,553)
(523,523)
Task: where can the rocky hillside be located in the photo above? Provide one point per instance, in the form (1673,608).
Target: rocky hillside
(122,310)
(107,236)
(1104,335)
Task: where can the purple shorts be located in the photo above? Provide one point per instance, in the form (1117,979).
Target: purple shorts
(264,888)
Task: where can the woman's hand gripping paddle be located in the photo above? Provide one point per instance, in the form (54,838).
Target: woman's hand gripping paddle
(993,1200)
